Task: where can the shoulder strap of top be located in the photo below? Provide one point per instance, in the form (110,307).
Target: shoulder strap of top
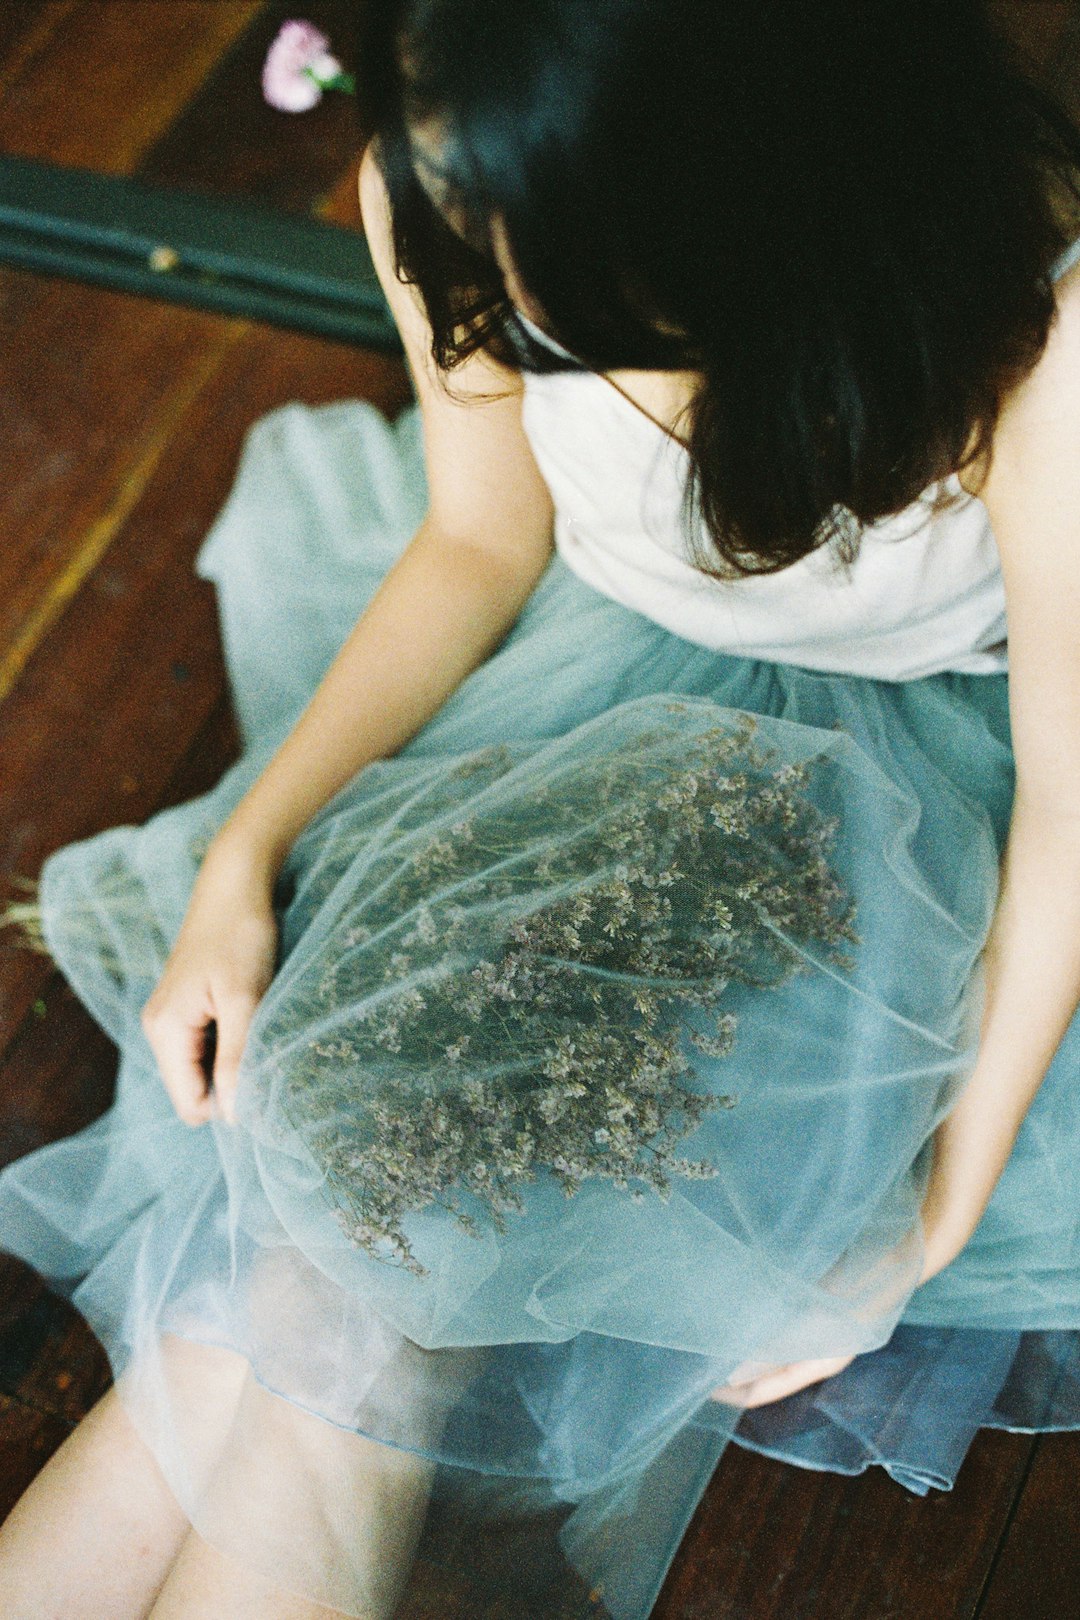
(1067,260)
(542,337)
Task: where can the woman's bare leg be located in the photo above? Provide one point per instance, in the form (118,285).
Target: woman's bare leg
(205,1585)
(95,1533)
(308,1505)
(99,1535)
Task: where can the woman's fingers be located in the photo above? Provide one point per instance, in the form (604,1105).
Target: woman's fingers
(178,1042)
(234,1014)
(779,1381)
(182,1042)
(220,966)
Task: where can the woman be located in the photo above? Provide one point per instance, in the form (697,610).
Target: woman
(766,322)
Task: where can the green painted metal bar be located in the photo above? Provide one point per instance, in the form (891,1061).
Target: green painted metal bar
(189,248)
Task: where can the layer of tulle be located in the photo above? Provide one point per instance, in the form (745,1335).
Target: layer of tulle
(558,1374)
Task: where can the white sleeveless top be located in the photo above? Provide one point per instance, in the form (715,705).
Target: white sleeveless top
(924,594)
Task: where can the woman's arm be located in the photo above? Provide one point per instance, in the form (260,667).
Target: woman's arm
(1032,960)
(444,606)
(1032,957)
(441,609)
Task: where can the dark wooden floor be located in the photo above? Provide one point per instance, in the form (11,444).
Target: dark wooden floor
(121,421)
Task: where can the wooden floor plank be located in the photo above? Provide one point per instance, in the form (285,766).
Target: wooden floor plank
(91,383)
(1037,1576)
(112,701)
(27,27)
(57,1076)
(49,1358)
(341,204)
(80,452)
(28,1439)
(44,593)
(101,88)
(57,1072)
(216,745)
(774,1542)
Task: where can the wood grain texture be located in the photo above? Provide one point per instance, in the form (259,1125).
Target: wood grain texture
(49,1359)
(1037,1575)
(57,1072)
(91,384)
(771,1541)
(27,28)
(72,550)
(28,1439)
(99,87)
(113,700)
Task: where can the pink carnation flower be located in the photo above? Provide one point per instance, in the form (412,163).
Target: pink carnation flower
(298,66)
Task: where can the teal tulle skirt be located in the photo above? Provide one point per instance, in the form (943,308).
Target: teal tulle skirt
(612,1023)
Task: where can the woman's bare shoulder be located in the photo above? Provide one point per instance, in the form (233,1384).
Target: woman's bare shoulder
(1032,488)
(1048,399)
(480,374)
(484,484)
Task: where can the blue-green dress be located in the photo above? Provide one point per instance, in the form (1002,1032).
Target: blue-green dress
(527,1402)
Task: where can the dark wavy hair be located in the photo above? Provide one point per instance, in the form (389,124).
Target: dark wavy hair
(842,214)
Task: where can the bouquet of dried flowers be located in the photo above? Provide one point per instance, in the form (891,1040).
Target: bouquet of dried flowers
(500,966)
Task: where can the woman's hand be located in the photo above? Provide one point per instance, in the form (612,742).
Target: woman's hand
(943,1235)
(220,967)
(776,1382)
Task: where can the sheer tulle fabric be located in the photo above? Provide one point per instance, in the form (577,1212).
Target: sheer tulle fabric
(526,1425)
